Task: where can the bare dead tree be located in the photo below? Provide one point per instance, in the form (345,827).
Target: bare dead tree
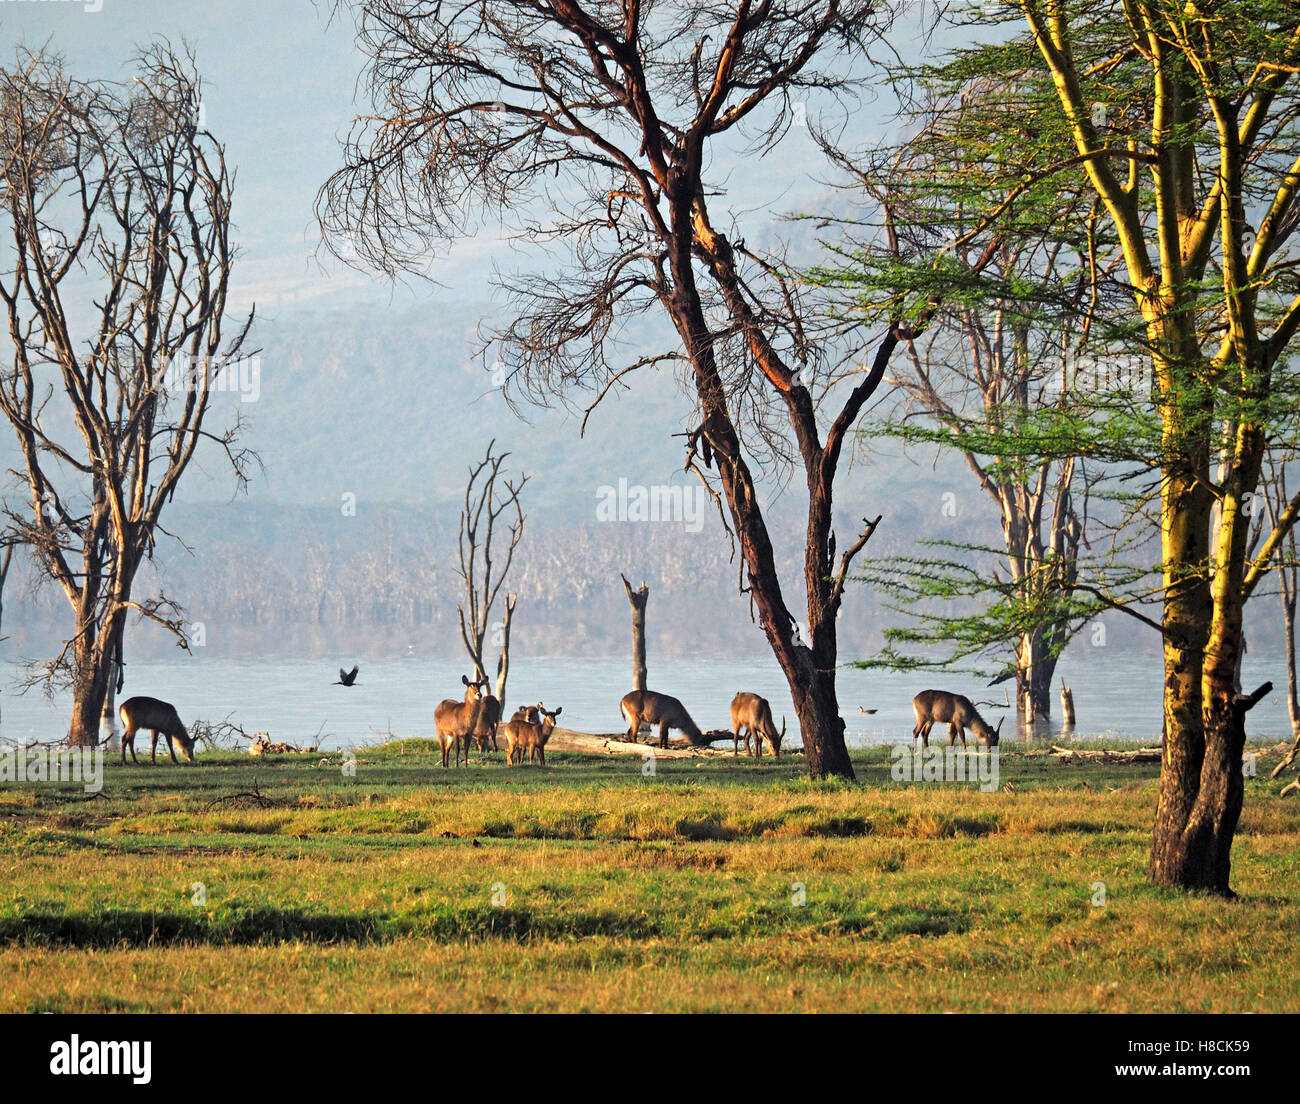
(503,660)
(116,214)
(592,125)
(492,516)
(637,599)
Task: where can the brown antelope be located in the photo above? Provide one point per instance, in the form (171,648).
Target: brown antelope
(456,721)
(525,735)
(485,730)
(525,713)
(754,715)
(159,716)
(954,710)
(645,706)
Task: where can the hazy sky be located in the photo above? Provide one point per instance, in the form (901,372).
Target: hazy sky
(278,85)
(280,90)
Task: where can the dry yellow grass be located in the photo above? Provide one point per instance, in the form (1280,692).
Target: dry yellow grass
(588,887)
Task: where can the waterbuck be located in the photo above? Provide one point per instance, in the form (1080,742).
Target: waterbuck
(754,715)
(645,706)
(456,721)
(954,710)
(485,730)
(159,716)
(525,735)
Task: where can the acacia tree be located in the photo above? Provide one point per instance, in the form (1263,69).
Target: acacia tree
(116,263)
(975,396)
(997,350)
(596,124)
(1200,190)
(1178,123)
(1005,299)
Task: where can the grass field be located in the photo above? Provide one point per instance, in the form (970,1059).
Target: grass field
(714,885)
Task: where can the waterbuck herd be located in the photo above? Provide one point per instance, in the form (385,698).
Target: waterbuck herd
(475,720)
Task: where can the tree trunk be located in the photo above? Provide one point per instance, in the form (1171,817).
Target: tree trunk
(1200,856)
(1035,671)
(810,673)
(809,670)
(1185,516)
(95,665)
(108,716)
(1181,765)
(503,664)
(6,558)
(638,598)
(89,685)
(820,723)
(1287,576)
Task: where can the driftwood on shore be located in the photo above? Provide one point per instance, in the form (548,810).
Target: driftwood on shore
(263,745)
(1105,755)
(617,743)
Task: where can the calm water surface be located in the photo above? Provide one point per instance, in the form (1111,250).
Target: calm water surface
(1115,696)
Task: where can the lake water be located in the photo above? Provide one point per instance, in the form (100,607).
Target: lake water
(1116,696)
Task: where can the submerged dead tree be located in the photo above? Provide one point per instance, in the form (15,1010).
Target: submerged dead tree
(596,123)
(637,599)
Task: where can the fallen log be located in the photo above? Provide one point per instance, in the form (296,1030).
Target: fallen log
(1108,755)
(612,743)
(617,743)
(262,745)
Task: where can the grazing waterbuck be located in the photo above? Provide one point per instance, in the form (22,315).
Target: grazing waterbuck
(159,716)
(754,715)
(954,710)
(658,709)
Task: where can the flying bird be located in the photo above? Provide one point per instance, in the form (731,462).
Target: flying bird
(347,678)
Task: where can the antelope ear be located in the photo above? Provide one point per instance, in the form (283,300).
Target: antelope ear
(559,710)
(464,680)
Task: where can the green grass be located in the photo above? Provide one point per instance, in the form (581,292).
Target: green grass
(715,885)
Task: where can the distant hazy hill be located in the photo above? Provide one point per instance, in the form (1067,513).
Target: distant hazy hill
(392,410)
